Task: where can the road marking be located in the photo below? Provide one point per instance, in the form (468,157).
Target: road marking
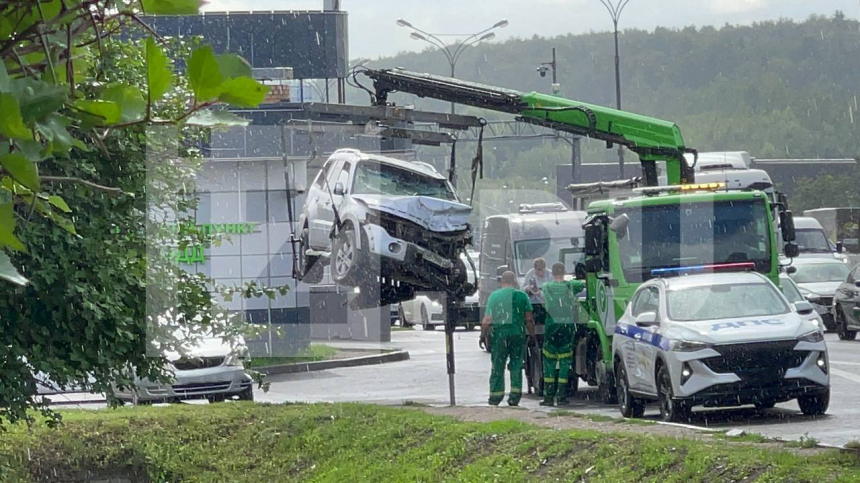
(845,363)
(846,375)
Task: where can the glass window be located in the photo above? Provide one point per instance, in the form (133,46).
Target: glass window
(552,250)
(789,289)
(648,300)
(324,172)
(685,234)
(385,179)
(812,240)
(343,177)
(820,272)
(725,302)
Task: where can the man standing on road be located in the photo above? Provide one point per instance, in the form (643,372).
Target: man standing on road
(510,312)
(559,334)
(535,278)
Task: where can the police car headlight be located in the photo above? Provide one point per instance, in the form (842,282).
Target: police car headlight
(814,336)
(689,346)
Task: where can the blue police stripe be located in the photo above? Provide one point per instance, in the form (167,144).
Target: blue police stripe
(646,336)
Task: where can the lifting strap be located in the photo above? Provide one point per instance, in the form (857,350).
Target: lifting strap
(478,161)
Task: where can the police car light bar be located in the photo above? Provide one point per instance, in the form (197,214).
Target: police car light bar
(654,190)
(657,272)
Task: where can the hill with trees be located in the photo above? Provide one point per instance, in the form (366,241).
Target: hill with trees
(778,89)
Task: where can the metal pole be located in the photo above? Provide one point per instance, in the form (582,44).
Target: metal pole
(449,347)
(554,76)
(453,63)
(575,163)
(618,97)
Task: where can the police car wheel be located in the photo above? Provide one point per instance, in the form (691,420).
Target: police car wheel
(631,407)
(814,404)
(670,409)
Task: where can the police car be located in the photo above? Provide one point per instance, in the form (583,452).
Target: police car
(717,339)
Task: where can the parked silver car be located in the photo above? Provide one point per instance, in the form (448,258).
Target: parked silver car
(370,216)
(818,279)
(210,368)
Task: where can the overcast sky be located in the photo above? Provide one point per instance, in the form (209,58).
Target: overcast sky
(373,32)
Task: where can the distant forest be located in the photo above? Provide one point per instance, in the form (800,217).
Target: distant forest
(778,89)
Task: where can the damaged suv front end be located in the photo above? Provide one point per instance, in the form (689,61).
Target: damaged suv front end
(395,227)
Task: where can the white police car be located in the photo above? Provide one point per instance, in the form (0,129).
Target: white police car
(717,339)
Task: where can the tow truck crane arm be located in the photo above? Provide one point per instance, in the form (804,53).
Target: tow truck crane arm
(652,139)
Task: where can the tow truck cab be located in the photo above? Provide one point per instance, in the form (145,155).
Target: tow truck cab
(698,226)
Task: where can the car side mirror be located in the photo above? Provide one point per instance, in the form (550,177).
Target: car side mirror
(803,307)
(857,283)
(619,225)
(791,250)
(787,225)
(812,297)
(593,265)
(790,269)
(840,247)
(580,272)
(338,189)
(646,319)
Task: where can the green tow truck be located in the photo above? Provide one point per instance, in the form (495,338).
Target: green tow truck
(652,230)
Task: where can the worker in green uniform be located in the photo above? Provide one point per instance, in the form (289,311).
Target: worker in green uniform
(510,313)
(560,302)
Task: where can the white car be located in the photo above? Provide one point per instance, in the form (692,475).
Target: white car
(818,279)
(370,216)
(724,339)
(792,293)
(210,368)
(427,312)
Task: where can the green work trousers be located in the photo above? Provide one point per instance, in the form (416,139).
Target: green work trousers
(510,349)
(557,358)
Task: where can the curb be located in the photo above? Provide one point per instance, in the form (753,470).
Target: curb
(298,367)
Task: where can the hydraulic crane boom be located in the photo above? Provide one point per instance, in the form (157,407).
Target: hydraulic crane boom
(652,139)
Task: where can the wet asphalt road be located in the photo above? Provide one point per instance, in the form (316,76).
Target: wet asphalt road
(423,379)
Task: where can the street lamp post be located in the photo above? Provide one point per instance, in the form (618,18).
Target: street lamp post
(452,51)
(615,8)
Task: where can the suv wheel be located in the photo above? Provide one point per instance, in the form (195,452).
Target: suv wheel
(670,409)
(631,407)
(311,268)
(247,394)
(814,404)
(842,326)
(346,258)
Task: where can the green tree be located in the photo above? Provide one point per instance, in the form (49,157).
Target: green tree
(80,173)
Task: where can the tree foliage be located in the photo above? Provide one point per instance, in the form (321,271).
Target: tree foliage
(95,131)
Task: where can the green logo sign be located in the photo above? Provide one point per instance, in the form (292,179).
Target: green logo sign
(195,253)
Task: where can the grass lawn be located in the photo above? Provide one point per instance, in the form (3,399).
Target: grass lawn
(314,352)
(352,442)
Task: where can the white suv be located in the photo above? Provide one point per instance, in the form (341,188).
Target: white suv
(372,216)
(722,339)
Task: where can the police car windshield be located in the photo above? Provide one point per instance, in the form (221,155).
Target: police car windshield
(820,272)
(812,240)
(686,234)
(724,302)
(380,178)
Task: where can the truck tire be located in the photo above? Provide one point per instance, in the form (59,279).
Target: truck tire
(671,410)
(842,326)
(630,406)
(606,387)
(346,258)
(814,404)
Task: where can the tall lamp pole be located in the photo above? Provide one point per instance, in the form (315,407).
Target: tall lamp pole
(544,66)
(615,8)
(452,51)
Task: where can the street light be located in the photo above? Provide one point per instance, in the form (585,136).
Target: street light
(452,51)
(615,8)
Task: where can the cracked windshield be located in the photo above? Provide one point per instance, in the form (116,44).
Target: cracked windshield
(337,240)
